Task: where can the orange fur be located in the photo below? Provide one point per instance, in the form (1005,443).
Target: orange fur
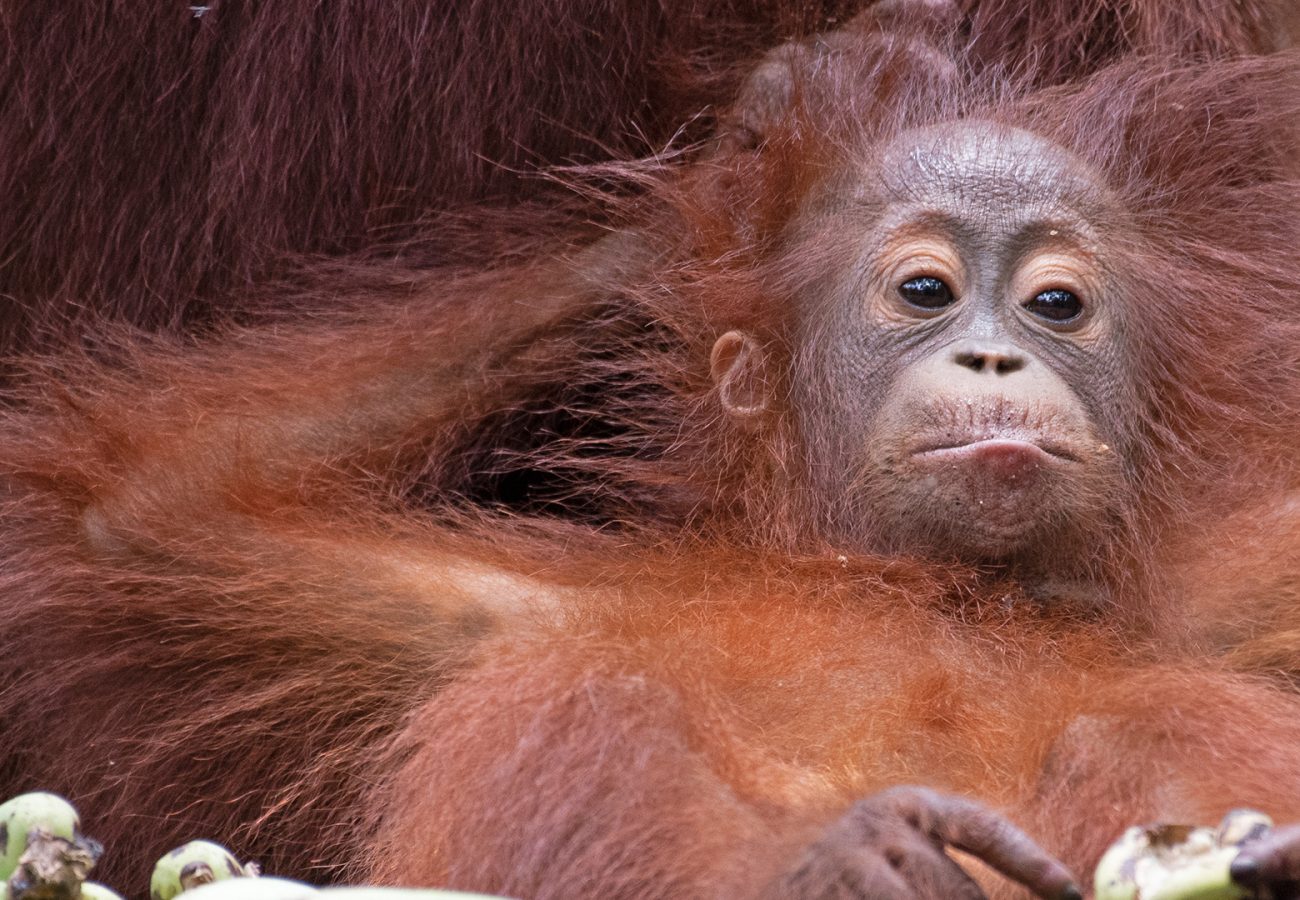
(467,581)
(663,746)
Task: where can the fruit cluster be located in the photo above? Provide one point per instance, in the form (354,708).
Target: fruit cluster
(44,856)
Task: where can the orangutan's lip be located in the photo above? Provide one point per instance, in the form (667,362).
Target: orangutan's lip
(995,446)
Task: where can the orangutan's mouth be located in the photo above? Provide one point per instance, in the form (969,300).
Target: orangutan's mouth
(1002,450)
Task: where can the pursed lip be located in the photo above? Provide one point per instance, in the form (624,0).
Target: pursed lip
(1025,445)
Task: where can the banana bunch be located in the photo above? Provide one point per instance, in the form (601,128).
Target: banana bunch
(44,856)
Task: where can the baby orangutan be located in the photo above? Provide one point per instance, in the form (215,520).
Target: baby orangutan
(818,532)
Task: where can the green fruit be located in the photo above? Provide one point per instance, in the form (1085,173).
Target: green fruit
(191,865)
(254,889)
(382,893)
(1177,862)
(92,891)
(283,889)
(25,812)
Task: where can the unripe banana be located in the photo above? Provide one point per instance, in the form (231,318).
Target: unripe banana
(192,865)
(25,812)
(1178,862)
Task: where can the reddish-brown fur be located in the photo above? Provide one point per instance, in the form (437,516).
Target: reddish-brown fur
(158,162)
(247,581)
(665,746)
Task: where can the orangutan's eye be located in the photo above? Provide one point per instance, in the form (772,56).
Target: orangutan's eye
(1056,305)
(926,292)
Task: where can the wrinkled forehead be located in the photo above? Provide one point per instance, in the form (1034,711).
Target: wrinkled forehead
(988,169)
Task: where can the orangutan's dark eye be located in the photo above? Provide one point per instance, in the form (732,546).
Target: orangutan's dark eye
(1057,305)
(926,292)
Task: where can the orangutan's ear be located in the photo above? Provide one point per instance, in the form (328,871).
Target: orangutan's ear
(739,367)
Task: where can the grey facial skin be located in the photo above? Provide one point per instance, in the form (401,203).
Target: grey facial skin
(960,388)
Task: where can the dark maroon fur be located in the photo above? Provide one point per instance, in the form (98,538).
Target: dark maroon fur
(158,163)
